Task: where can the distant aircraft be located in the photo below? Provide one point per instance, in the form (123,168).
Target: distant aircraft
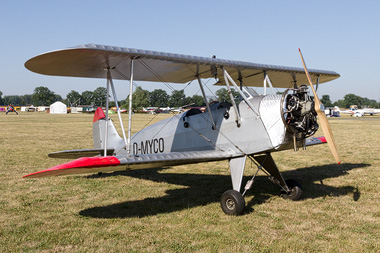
(359,112)
(149,109)
(253,128)
(332,112)
(121,110)
(181,109)
(370,111)
(177,110)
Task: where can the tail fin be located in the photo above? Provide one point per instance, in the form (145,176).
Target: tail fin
(114,140)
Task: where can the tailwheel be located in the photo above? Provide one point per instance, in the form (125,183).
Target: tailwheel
(295,190)
(232,202)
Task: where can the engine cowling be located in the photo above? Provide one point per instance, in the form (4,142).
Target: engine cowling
(298,112)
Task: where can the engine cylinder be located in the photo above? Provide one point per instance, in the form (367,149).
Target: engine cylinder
(298,111)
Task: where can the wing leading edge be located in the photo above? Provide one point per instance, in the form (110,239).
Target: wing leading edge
(92,60)
(118,163)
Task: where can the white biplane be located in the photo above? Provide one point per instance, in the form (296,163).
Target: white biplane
(252,128)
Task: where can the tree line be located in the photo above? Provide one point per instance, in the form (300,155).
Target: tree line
(43,96)
(141,98)
(350,99)
(156,98)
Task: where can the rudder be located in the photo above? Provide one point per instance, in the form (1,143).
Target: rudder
(98,132)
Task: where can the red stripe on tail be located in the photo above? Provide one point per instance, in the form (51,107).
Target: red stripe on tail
(99,114)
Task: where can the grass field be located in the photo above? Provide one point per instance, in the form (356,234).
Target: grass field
(177,209)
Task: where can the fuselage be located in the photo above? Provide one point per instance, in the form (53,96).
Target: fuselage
(192,130)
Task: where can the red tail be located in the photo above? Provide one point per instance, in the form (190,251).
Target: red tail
(99,114)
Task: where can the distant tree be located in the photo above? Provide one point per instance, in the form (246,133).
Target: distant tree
(178,98)
(43,96)
(140,99)
(112,103)
(12,99)
(340,103)
(58,97)
(99,96)
(326,101)
(352,99)
(158,98)
(16,99)
(87,97)
(123,103)
(26,100)
(73,98)
(197,100)
(223,96)
(65,101)
(370,103)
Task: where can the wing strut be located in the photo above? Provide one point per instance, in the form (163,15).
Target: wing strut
(117,106)
(237,114)
(317,84)
(129,146)
(107,100)
(207,104)
(228,77)
(267,81)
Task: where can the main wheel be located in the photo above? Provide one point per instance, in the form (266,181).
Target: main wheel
(232,202)
(295,190)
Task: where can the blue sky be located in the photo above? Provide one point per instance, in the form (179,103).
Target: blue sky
(342,36)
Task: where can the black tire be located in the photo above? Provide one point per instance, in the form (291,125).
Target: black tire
(295,188)
(232,202)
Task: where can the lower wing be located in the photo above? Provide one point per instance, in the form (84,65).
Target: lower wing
(315,141)
(119,163)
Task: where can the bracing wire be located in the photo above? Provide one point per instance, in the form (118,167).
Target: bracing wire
(156,74)
(171,88)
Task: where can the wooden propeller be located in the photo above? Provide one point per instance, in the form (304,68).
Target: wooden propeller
(322,116)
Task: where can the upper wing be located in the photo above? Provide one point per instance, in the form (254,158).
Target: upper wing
(118,163)
(93,60)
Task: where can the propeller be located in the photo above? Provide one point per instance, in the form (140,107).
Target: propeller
(322,116)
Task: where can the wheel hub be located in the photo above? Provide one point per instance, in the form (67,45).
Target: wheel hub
(230,204)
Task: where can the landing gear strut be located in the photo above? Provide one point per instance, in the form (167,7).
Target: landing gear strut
(290,189)
(232,201)
(295,192)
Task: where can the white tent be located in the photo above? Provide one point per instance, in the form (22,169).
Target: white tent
(58,108)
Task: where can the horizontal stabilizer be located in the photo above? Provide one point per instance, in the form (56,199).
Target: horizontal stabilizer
(117,163)
(78,153)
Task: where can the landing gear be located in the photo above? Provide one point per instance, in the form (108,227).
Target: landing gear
(295,190)
(232,202)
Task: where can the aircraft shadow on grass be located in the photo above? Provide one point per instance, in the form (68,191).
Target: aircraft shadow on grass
(205,189)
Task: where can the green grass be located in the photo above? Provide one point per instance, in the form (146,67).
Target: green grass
(177,209)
